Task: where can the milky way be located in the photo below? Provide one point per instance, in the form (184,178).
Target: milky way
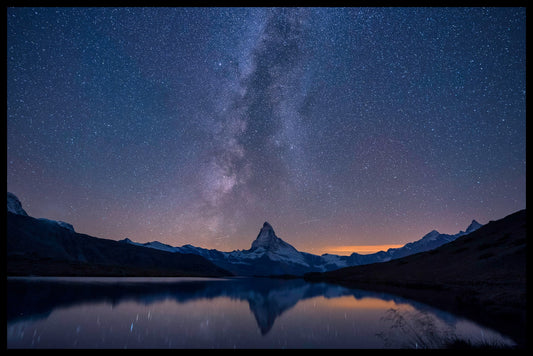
(357,126)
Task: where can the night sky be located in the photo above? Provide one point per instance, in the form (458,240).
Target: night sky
(340,127)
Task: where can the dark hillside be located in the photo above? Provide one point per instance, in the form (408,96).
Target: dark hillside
(482,274)
(37,247)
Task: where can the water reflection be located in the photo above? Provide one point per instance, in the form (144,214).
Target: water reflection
(204,313)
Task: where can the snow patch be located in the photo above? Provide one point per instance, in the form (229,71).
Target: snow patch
(14,206)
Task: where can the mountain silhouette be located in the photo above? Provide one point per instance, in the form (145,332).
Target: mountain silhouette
(46,247)
(481,274)
(270,255)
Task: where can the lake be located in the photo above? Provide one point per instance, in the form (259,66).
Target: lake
(107,312)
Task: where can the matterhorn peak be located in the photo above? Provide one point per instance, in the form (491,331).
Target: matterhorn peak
(268,244)
(268,241)
(266,225)
(267,238)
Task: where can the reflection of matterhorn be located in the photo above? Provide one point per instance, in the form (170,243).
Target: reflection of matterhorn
(268,298)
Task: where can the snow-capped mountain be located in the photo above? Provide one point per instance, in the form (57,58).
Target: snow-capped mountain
(14,206)
(474,225)
(430,241)
(267,243)
(48,247)
(270,255)
(60,223)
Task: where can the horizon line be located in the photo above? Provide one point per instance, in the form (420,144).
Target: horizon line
(360,249)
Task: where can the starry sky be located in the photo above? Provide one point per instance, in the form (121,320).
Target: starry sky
(341,127)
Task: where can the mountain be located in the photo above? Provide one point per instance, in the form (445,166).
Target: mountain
(267,243)
(495,250)
(482,273)
(270,255)
(44,247)
(14,206)
(430,241)
(474,225)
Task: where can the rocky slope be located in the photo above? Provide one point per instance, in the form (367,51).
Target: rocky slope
(270,255)
(482,274)
(45,247)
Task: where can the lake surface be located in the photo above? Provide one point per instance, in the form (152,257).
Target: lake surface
(86,312)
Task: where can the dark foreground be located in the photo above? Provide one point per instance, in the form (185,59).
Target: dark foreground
(481,275)
(37,247)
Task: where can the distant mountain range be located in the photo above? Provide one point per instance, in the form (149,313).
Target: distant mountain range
(268,254)
(14,206)
(48,247)
(481,275)
(494,253)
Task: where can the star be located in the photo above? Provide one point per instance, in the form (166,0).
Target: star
(373,125)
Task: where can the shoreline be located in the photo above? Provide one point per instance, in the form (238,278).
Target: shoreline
(497,306)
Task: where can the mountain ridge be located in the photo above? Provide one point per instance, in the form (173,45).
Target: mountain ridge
(45,247)
(268,254)
(15,206)
(271,255)
(481,275)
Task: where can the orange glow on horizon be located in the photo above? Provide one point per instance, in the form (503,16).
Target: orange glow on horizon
(361,249)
